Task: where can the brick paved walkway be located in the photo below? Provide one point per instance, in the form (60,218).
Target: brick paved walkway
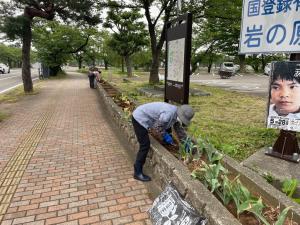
(61,162)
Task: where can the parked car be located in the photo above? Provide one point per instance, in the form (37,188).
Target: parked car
(4,68)
(227,69)
(267,69)
(236,68)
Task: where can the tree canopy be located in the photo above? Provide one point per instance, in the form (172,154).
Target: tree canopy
(216,28)
(10,55)
(129,34)
(55,43)
(81,12)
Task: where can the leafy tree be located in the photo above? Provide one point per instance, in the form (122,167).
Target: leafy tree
(98,50)
(10,55)
(207,58)
(20,26)
(88,55)
(254,60)
(258,62)
(224,17)
(157,32)
(129,33)
(107,54)
(56,42)
(272,57)
(156,22)
(142,59)
(218,26)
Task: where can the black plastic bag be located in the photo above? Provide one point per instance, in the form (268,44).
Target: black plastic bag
(170,209)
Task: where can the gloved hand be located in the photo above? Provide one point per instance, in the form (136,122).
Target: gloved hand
(187,147)
(167,138)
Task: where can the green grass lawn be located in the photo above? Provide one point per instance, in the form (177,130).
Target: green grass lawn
(17,93)
(234,122)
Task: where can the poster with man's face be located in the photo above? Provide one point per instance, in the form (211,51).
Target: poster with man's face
(284,96)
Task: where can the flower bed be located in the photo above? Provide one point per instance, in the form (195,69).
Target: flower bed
(165,168)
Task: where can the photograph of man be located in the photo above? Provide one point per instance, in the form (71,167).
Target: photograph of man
(284,96)
(285,90)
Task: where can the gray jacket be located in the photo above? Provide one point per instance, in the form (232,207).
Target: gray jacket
(160,116)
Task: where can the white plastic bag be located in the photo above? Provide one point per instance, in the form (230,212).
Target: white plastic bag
(170,209)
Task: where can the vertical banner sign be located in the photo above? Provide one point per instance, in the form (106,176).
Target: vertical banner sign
(270,26)
(284,96)
(178,58)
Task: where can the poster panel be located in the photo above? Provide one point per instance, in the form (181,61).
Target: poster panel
(176,60)
(270,26)
(284,96)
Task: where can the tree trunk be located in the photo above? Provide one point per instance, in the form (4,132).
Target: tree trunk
(209,68)
(9,62)
(79,62)
(26,73)
(128,66)
(153,79)
(106,64)
(122,59)
(210,62)
(263,63)
(194,67)
(242,63)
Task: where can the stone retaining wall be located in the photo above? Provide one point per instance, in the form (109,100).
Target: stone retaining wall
(165,168)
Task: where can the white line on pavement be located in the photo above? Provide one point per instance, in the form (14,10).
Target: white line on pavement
(1,92)
(8,77)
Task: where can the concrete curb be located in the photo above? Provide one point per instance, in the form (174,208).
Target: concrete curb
(165,168)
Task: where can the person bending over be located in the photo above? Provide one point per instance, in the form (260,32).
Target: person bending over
(162,117)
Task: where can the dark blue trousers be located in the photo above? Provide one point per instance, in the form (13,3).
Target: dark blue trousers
(144,141)
(91,79)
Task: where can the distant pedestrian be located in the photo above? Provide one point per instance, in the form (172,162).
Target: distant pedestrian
(97,74)
(94,76)
(162,117)
(91,76)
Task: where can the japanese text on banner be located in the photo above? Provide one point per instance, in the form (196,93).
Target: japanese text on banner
(270,26)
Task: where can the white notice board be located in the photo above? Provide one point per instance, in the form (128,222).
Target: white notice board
(270,26)
(176,59)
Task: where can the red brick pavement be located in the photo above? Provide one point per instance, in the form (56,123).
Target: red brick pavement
(79,172)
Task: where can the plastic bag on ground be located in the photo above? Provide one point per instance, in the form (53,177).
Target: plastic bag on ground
(170,209)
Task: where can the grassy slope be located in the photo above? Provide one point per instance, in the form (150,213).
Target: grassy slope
(234,122)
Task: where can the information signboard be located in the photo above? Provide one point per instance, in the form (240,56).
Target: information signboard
(178,57)
(284,96)
(270,26)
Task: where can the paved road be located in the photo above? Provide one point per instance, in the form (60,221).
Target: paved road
(249,83)
(13,79)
